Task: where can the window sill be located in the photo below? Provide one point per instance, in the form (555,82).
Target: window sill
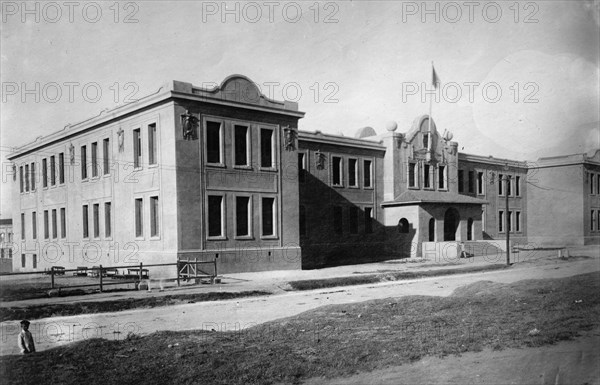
(337,185)
(242,167)
(368,187)
(216,165)
(354,187)
(155,238)
(216,238)
(272,169)
(244,237)
(269,237)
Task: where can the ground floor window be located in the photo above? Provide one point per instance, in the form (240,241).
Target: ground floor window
(215,215)
(268,217)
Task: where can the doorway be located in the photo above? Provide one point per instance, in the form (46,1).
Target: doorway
(451,221)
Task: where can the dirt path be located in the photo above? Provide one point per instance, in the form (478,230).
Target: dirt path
(239,315)
(569,362)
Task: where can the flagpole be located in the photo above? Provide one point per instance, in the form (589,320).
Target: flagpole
(430,111)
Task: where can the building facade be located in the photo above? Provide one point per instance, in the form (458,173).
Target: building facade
(225,173)
(6,243)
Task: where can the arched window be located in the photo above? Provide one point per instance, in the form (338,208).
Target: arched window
(470,229)
(403,226)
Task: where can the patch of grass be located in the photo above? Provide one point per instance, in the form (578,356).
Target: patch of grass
(56,310)
(311,284)
(331,341)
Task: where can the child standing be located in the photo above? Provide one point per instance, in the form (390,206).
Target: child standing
(25,339)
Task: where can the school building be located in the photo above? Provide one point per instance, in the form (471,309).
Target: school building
(226,173)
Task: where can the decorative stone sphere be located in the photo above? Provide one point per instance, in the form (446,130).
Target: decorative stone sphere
(391,126)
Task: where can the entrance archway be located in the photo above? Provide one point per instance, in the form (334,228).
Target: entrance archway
(451,221)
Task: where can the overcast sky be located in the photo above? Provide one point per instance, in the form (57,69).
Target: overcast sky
(516,81)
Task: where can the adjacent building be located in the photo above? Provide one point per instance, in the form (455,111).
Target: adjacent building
(225,173)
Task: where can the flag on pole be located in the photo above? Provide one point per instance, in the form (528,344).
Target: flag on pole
(435,80)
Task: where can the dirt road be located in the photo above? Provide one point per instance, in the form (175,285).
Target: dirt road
(245,313)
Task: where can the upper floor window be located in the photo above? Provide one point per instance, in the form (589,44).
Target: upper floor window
(52,170)
(27,174)
(517,186)
(137,148)
(442,177)
(301,166)
(213,143)
(241,138)
(367,173)
(412,174)
(336,171)
(152,143)
(44,172)
(461,180)
(22,225)
(425,140)
(21,178)
(33,176)
(480,185)
(471,182)
(61,168)
(509,186)
(106,155)
(267,148)
(427,176)
(95,159)
(500,184)
(84,162)
(352,172)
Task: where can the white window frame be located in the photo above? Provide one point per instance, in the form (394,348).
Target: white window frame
(416,176)
(221,122)
(153,150)
(223,234)
(274,147)
(431,174)
(302,168)
(370,168)
(248,163)
(340,170)
(158,215)
(249,209)
(135,229)
(137,158)
(275,216)
(356,173)
(482,185)
(444,174)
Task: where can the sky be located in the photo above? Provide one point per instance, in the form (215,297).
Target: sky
(518,80)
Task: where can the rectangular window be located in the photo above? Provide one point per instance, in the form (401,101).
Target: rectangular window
(22,260)
(34,260)
(46,225)
(591,183)
(54,224)
(460,180)
(509,186)
(480,183)
(22,225)
(598,184)
(500,183)
(302,215)
(86,230)
(517,221)
(106,155)
(53,170)
(471,182)
(426,176)
(107,220)
(352,173)
(353,220)
(301,167)
(598,216)
(268,216)
(137,148)
(152,143)
(84,174)
(509,221)
(154,217)
(442,177)
(21,177)
(95,159)
(500,221)
(517,186)
(33,176)
(63,223)
(213,142)
(215,216)
(336,170)
(412,174)
(368,220)
(267,140)
(61,168)
(242,216)
(44,172)
(337,219)
(139,217)
(96,217)
(27,177)
(592,220)
(34,225)
(367,173)
(241,146)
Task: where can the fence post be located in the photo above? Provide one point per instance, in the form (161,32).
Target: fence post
(100,278)
(177,267)
(141,272)
(196,268)
(215,261)
(52,277)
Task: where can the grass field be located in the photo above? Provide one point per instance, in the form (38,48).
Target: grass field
(331,341)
